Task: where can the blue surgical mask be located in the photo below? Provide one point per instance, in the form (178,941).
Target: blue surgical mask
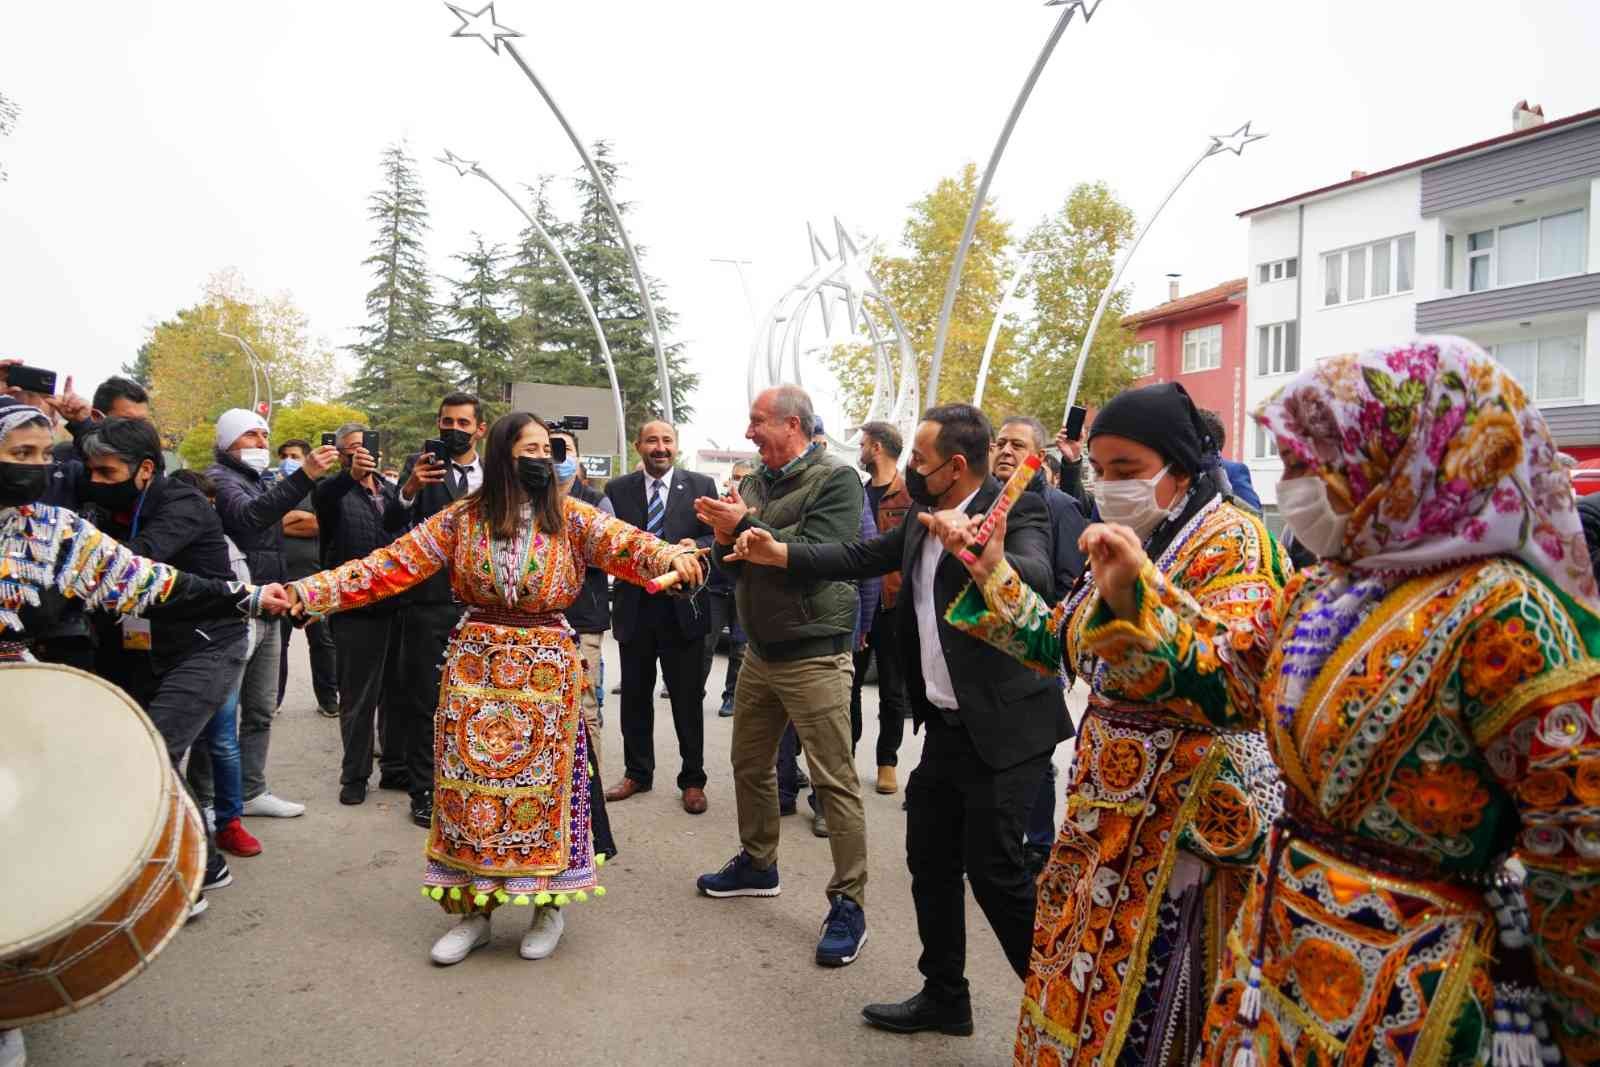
(567,468)
(288,467)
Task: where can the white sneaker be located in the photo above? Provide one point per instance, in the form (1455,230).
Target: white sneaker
(544,933)
(211,819)
(268,806)
(13,1053)
(198,908)
(470,933)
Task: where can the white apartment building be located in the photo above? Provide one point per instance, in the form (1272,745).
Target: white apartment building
(1494,241)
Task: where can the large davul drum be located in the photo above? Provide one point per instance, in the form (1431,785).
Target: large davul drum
(101,850)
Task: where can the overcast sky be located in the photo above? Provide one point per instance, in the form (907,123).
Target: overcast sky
(161,140)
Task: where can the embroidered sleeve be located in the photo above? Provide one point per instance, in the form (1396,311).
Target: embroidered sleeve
(1200,640)
(405,562)
(1530,689)
(619,548)
(1006,613)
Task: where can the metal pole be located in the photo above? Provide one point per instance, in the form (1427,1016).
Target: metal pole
(953,283)
(994,327)
(744,283)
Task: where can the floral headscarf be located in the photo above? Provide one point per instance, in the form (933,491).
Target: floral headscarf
(1441,457)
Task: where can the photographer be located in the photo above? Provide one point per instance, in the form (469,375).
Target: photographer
(303,558)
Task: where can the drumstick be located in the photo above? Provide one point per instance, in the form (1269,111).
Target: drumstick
(670,579)
(1015,486)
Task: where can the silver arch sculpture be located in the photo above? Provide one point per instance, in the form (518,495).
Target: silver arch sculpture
(482,25)
(953,283)
(1233,142)
(464,167)
(1024,266)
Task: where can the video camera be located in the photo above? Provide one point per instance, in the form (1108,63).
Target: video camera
(570,423)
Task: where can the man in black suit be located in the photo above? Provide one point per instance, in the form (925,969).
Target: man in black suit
(991,722)
(430,610)
(660,629)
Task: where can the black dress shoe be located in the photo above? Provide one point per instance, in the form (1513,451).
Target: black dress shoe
(920,1013)
(353,793)
(422,811)
(399,782)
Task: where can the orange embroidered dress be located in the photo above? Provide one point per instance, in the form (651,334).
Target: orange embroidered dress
(1165,810)
(511,767)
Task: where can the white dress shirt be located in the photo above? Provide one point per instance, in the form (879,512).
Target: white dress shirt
(935,672)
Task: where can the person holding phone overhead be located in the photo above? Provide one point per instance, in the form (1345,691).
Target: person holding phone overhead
(350,509)
(446,469)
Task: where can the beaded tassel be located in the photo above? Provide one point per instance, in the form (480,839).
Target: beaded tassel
(1249,1016)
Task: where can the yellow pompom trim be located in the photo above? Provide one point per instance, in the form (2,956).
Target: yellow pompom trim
(520,899)
(501,896)
(481,900)
(542,899)
(455,892)
(562,900)
(437,893)
(599,890)
(600,859)
(580,896)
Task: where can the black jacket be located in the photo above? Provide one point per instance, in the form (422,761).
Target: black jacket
(628,503)
(177,525)
(252,512)
(1066,525)
(397,519)
(591,612)
(1011,712)
(349,524)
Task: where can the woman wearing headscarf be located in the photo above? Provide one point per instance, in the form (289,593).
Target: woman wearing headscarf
(512,798)
(1166,809)
(1432,697)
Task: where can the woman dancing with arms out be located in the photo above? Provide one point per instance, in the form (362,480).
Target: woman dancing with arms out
(1431,698)
(1167,807)
(511,815)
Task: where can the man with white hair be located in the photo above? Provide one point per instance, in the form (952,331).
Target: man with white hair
(252,512)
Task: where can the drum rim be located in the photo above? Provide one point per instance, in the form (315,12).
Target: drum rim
(152,835)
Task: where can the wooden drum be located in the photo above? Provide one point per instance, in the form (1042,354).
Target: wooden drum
(101,850)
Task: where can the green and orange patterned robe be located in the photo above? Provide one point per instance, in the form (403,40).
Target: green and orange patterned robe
(511,773)
(1159,798)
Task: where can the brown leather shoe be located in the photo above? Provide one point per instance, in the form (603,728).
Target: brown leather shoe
(625,789)
(887,783)
(694,800)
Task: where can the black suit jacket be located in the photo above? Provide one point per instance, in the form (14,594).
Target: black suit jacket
(397,519)
(1011,712)
(628,503)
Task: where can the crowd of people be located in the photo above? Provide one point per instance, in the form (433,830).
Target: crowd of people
(1332,799)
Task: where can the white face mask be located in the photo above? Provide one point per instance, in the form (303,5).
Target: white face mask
(255,458)
(1309,513)
(1131,502)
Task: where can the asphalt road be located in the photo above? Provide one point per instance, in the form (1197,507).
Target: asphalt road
(318,953)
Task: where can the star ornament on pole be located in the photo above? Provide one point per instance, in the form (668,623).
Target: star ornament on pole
(462,167)
(482,25)
(1233,142)
(1082,5)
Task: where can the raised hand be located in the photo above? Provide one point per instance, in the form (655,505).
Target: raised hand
(689,569)
(423,472)
(320,461)
(362,464)
(953,528)
(723,515)
(994,550)
(1116,556)
(1071,451)
(758,546)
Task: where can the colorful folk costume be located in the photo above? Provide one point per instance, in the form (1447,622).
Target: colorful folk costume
(1166,809)
(511,811)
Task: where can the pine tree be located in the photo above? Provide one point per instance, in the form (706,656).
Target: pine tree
(547,320)
(482,350)
(138,368)
(400,381)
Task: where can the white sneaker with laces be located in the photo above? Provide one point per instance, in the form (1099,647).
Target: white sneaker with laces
(198,908)
(470,933)
(13,1052)
(544,933)
(270,807)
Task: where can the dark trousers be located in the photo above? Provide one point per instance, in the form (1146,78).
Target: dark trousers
(366,642)
(658,640)
(324,662)
(724,615)
(892,704)
(964,818)
(413,699)
(1041,832)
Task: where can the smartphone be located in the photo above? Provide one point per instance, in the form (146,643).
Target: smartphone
(32,379)
(329,439)
(1075,419)
(437,449)
(369,441)
(558,449)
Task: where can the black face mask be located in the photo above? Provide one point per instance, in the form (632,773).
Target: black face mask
(22,483)
(917,485)
(118,498)
(535,475)
(458,442)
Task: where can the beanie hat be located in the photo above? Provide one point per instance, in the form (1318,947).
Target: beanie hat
(234,424)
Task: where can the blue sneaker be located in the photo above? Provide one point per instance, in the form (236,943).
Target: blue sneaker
(740,878)
(844,932)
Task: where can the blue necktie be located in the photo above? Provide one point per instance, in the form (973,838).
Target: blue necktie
(652,519)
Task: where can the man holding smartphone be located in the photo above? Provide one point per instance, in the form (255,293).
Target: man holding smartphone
(430,611)
(350,510)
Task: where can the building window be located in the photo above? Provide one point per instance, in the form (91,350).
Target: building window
(1202,348)
(1527,251)
(1278,270)
(1550,369)
(1266,443)
(1449,262)
(1369,271)
(1142,358)
(1278,348)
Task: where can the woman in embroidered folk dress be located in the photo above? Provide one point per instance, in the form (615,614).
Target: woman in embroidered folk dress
(1165,810)
(1433,700)
(511,815)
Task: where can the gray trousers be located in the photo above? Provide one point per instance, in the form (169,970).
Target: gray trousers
(258,700)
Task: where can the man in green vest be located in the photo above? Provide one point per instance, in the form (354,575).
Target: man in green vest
(798,662)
